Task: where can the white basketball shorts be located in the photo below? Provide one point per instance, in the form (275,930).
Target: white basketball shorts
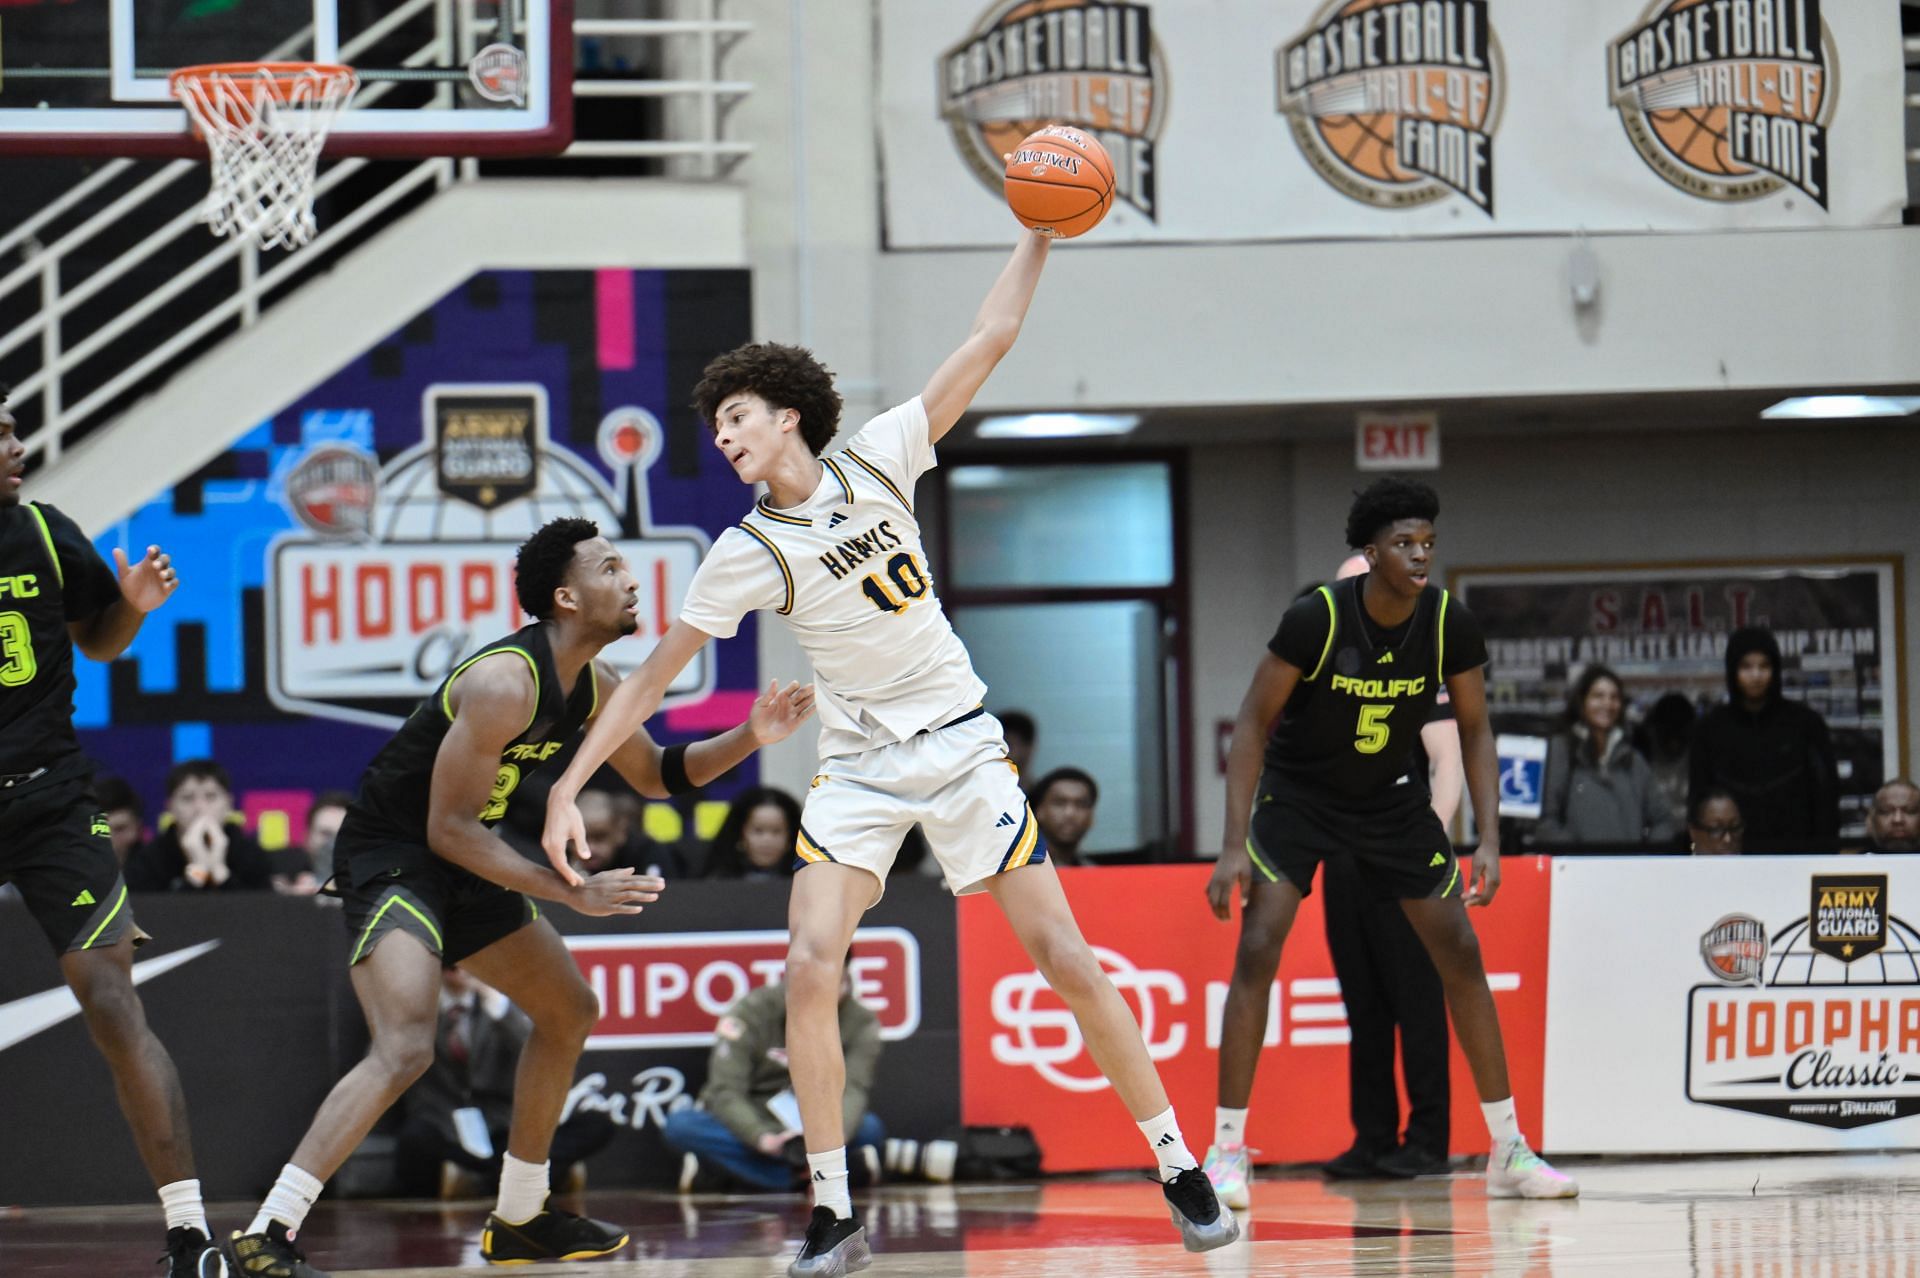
(956,781)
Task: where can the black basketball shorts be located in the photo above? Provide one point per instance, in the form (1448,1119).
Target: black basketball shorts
(1395,839)
(395,887)
(55,849)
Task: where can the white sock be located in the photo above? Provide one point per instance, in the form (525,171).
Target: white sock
(1502,1122)
(523,1190)
(287,1202)
(1168,1146)
(181,1202)
(828,1172)
(1229,1126)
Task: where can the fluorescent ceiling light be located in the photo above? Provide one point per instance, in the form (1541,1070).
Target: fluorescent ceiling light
(1056,425)
(1831,406)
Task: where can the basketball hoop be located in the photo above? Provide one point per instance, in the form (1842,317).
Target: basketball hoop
(264,124)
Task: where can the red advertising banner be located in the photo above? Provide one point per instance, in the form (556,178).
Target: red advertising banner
(1023,1060)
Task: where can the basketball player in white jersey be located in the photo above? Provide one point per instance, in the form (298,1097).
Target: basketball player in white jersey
(834,550)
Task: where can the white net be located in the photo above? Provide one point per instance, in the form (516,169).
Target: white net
(264,126)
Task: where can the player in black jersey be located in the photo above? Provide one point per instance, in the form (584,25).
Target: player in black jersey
(1351,677)
(416,857)
(56,593)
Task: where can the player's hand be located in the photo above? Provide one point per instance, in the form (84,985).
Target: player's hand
(1484,880)
(563,826)
(778,711)
(616,892)
(1233,868)
(146,584)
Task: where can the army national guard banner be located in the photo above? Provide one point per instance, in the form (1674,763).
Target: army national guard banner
(1275,119)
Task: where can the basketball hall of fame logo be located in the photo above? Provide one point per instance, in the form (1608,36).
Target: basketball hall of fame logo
(1729,100)
(1030,63)
(1395,102)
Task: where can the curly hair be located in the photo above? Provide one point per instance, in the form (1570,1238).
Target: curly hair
(1385,503)
(726,857)
(784,376)
(541,564)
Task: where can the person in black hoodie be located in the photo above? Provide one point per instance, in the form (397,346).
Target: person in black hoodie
(1773,755)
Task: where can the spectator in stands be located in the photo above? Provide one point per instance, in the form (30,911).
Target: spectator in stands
(126,817)
(1715,827)
(1063,803)
(456,1117)
(616,842)
(201,849)
(1021,734)
(757,838)
(1598,789)
(301,872)
(1663,738)
(746,1132)
(1772,755)
(1893,823)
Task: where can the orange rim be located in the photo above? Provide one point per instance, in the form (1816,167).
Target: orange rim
(281,76)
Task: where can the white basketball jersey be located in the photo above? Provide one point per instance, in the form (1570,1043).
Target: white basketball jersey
(847,572)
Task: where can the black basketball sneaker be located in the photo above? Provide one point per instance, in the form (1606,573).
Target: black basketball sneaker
(268,1255)
(834,1247)
(551,1235)
(191,1254)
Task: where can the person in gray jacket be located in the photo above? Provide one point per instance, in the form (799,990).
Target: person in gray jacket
(1599,789)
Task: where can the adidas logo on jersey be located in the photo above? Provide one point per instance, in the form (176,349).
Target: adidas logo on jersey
(1006,818)
(1439,858)
(836,519)
(1384,659)
(85,897)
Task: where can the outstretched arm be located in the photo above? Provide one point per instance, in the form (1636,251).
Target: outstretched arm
(957,381)
(491,704)
(144,586)
(630,706)
(645,766)
(1273,682)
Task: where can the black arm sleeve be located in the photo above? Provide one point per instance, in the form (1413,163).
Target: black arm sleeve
(1302,636)
(1465,645)
(87,584)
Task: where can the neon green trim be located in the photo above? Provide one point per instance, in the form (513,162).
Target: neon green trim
(1260,864)
(535,907)
(366,933)
(1441,627)
(46,534)
(446,689)
(111,914)
(1333,620)
(1452,880)
(593,677)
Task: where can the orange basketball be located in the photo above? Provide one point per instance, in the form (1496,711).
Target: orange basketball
(1060,181)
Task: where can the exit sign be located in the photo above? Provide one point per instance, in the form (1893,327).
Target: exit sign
(1396,441)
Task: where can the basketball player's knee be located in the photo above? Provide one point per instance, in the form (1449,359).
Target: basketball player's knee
(113,1014)
(1257,957)
(1456,952)
(812,974)
(569,1013)
(404,1054)
(1069,965)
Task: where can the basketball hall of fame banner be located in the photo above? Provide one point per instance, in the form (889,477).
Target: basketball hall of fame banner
(1664,629)
(1733,1003)
(1277,119)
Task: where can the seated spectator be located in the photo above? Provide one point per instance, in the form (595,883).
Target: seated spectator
(616,843)
(457,1115)
(201,849)
(1063,802)
(746,1132)
(300,873)
(1715,827)
(756,840)
(126,817)
(1663,737)
(1598,789)
(1893,823)
(1772,755)
(1021,734)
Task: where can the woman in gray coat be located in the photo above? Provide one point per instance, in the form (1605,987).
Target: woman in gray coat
(1599,789)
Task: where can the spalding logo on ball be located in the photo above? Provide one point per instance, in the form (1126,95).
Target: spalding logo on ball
(1060,182)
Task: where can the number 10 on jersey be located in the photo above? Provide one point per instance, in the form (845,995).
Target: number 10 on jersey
(904,571)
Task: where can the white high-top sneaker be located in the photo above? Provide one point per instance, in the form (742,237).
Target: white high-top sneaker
(1514,1171)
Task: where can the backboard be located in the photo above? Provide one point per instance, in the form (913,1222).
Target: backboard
(438,77)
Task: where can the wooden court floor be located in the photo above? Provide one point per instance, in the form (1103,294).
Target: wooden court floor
(1835,1216)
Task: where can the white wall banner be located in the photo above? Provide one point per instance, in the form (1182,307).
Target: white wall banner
(1275,119)
(1699,1004)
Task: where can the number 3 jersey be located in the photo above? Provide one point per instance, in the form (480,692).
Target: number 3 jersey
(393,803)
(846,571)
(50,574)
(1352,725)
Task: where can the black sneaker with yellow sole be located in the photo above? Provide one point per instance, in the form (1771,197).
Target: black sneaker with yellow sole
(268,1255)
(551,1235)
